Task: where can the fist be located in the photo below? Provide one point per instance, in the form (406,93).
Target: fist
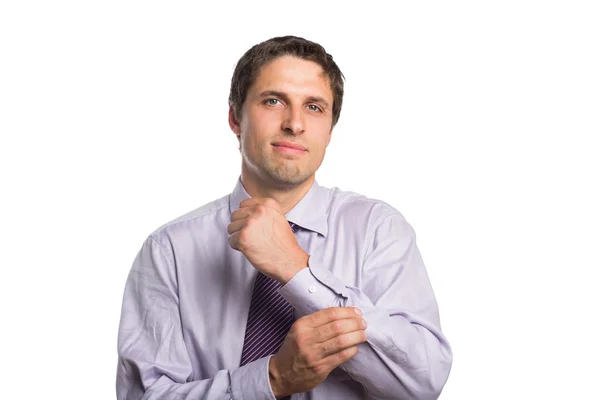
(261,232)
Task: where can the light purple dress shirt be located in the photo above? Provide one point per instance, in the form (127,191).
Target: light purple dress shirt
(187,297)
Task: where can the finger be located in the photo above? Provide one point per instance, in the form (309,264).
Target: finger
(332,361)
(339,327)
(342,342)
(328,315)
(329,363)
(249,202)
(265,201)
(241,213)
(257,210)
(234,240)
(237,225)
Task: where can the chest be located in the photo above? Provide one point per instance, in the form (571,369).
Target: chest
(215,290)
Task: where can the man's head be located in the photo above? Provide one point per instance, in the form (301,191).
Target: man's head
(248,68)
(285,89)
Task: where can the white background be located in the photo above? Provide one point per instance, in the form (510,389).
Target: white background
(478,120)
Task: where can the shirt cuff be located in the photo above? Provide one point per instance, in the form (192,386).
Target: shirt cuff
(313,289)
(251,382)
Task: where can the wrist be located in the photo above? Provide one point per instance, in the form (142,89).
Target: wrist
(275,380)
(296,265)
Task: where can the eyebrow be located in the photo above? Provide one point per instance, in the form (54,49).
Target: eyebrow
(309,99)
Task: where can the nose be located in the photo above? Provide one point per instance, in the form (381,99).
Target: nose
(293,121)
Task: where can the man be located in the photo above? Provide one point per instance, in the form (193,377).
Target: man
(284,287)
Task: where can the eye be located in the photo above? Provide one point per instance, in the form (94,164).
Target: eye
(313,107)
(271,102)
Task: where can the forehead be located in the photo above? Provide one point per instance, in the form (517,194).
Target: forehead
(293,75)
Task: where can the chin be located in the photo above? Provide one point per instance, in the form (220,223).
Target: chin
(288,179)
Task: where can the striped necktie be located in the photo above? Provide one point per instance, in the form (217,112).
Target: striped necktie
(269,319)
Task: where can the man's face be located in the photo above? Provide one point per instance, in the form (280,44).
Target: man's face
(290,103)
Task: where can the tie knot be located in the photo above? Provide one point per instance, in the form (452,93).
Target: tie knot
(293,226)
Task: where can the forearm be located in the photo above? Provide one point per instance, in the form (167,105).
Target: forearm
(154,361)
(250,382)
(405,356)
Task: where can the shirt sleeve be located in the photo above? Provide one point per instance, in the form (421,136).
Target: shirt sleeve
(406,355)
(153,359)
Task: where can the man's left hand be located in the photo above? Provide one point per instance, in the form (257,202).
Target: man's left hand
(261,232)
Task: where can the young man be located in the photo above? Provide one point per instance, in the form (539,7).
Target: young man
(284,287)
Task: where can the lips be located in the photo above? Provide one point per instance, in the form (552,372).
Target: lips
(289,145)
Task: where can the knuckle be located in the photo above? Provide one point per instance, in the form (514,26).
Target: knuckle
(243,236)
(314,318)
(342,356)
(357,337)
(342,341)
(305,355)
(297,346)
(332,313)
(261,209)
(300,338)
(351,352)
(322,370)
(348,353)
(298,326)
(337,326)
(301,351)
(295,327)
(251,222)
(312,359)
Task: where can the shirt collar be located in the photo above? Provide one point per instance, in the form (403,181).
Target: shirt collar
(309,213)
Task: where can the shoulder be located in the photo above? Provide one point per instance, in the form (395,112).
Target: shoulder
(196,221)
(369,222)
(348,204)
(365,219)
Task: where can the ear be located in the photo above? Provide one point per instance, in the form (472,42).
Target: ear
(233,122)
(329,137)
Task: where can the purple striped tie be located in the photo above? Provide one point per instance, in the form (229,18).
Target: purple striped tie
(269,319)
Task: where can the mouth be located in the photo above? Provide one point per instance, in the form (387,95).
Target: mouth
(289,148)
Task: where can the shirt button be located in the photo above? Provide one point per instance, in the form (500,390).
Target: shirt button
(312,289)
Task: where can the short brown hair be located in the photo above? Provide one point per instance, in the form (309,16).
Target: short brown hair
(248,68)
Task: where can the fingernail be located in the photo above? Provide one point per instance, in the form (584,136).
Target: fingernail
(364,323)
(357,311)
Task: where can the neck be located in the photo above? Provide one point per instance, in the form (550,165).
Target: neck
(287,196)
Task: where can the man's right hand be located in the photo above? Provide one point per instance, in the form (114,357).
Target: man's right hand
(314,346)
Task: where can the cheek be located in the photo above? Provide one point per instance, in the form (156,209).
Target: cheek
(318,151)
(262,128)
(266,119)
(319,124)
(322,130)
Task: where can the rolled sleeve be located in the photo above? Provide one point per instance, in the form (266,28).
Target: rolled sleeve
(253,375)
